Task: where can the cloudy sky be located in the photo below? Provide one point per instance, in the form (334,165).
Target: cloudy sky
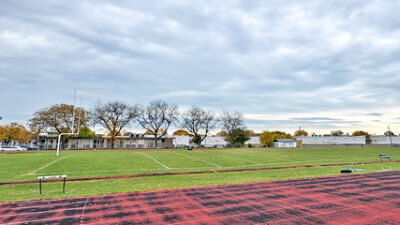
(323,65)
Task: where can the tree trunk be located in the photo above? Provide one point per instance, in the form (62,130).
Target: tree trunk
(155,141)
(198,140)
(112,142)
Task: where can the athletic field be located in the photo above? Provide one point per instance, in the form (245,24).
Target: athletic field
(365,198)
(105,172)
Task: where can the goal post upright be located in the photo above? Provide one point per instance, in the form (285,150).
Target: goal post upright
(72,130)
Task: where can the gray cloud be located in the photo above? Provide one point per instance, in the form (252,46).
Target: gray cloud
(315,119)
(374,114)
(308,123)
(252,56)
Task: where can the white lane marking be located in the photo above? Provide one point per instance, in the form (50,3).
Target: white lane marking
(48,164)
(155,160)
(195,158)
(83,211)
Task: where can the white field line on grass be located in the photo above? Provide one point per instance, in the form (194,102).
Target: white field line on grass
(189,168)
(247,160)
(195,158)
(330,160)
(200,167)
(177,169)
(48,164)
(305,161)
(155,160)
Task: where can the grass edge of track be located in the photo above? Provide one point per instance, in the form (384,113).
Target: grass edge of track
(26,192)
(187,173)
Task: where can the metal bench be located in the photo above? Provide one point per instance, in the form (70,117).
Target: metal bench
(42,178)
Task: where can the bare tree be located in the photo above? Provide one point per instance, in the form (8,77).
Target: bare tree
(337,133)
(198,122)
(232,121)
(157,117)
(113,116)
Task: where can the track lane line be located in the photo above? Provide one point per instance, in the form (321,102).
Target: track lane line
(300,205)
(362,176)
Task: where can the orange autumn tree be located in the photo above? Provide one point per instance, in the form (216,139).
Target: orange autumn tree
(160,132)
(250,133)
(300,133)
(221,133)
(181,132)
(58,118)
(14,132)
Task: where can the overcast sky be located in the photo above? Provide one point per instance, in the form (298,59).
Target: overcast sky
(323,65)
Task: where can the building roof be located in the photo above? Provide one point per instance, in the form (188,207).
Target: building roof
(285,140)
(108,137)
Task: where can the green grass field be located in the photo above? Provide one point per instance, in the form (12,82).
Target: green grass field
(28,165)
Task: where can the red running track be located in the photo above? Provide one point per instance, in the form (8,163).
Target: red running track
(372,198)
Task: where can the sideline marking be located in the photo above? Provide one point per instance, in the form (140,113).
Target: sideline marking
(247,160)
(201,172)
(173,168)
(331,160)
(192,157)
(155,160)
(48,164)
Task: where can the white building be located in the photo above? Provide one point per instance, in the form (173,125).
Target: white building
(180,141)
(122,142)
(332,140)
(385,140)
(254,140)
(212,142)
(285,143)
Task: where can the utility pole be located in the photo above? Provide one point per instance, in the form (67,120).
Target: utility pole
(390,136)
(79,115)
(301,138)
(73,113)
(300,132)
